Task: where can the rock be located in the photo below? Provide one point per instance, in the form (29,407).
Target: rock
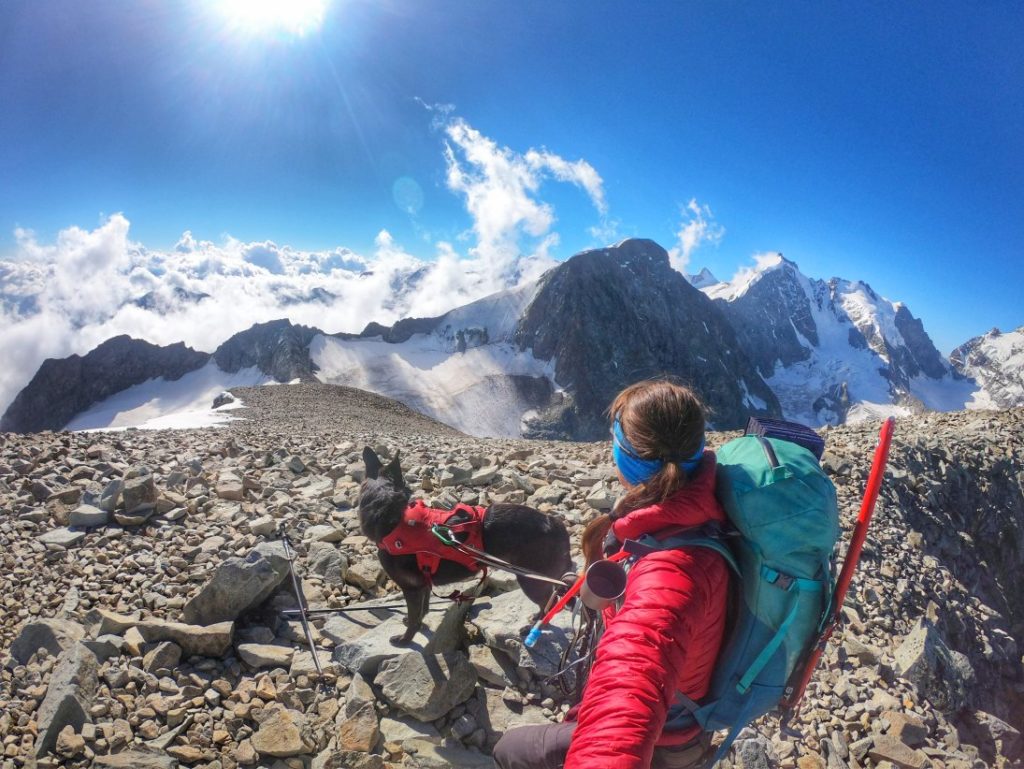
(359,731)
(324,533)
(265,655)
(501,618)
(111,495)
(399,730)
(909,729)
(194,640)
(88,517)
(327,561)
(426,755)
(166,655)
(230,486)
(263,526)
(492,666)
(426,687)
(1007,740)
(62,538)
(69,696)
(238,585)
(69,743)
(135,759)
(112,623)
(223,399)
(282,734)
(139,493)
(365,573)
(889,748)
(54,635)
(941,674)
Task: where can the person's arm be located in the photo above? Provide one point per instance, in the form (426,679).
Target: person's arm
(637,664)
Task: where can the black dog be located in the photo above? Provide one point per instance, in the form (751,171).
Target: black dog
(518,534)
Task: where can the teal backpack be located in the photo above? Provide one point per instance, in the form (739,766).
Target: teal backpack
(785,520)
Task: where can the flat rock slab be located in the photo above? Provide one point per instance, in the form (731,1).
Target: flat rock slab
(69,696)
(362,639)
(62,537)
(265,655)
(194,640)
(500,620)
(426,755)
(135,759)
(426,686)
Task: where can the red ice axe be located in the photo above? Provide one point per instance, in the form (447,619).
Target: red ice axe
(796,691)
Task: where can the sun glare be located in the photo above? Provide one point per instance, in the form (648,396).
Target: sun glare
(296,17)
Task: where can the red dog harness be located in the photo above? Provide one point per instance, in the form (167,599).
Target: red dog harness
(414,535)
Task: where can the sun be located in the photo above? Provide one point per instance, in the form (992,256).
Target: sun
(296,17)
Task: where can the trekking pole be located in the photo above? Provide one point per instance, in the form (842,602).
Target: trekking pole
(303,610)
(796,692)
(534,635)
(346,609)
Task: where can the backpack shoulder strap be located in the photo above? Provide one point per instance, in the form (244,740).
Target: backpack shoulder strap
(646,544)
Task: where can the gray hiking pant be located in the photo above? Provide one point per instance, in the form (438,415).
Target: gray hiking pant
(545,746)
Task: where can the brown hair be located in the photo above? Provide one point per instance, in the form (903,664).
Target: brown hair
(661,419)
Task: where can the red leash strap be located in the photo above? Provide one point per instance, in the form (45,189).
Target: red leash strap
(860,532)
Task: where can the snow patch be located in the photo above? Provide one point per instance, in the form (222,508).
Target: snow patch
(161,404)
(471,391)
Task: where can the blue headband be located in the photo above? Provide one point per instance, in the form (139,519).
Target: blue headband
(635,468)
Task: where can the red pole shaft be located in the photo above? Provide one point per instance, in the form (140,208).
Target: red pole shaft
(860,532)
(867,508)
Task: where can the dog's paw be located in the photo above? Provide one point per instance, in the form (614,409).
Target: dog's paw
(400,640)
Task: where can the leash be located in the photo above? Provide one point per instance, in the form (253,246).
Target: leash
(444,533)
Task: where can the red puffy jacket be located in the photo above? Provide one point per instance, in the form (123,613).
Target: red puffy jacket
(664,638)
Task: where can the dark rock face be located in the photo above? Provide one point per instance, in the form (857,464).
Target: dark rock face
(65,387)
(613,316)
(768,317)
(402,330)
(917,355)
(276,348)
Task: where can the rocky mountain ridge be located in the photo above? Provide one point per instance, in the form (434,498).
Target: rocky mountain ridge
(114,547)
(542,360)
(995,360)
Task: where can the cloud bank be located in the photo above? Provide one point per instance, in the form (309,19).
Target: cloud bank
(68,296)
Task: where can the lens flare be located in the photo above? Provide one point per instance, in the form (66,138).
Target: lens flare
(296,17)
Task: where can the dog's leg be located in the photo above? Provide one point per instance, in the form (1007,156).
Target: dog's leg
(416,602)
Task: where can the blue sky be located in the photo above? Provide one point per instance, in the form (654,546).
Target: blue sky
(870,141)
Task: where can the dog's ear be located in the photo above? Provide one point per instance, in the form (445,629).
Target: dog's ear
(372,462)
(393,472)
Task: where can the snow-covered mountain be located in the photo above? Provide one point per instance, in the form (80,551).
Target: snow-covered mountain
(996,362)
(835,351)
(544,359)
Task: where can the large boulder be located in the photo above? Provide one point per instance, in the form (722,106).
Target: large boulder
(238,585)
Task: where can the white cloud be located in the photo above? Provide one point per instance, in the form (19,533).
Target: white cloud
(697,227)
(500,188)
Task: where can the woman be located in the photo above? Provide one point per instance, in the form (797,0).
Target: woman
(665,636)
